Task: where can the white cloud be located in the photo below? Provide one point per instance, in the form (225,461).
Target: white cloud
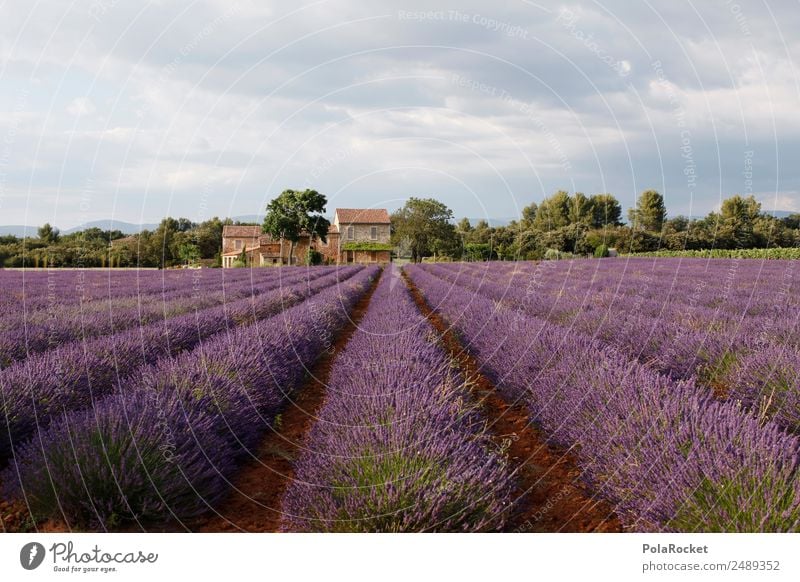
(789,201)
(252,97)
(81,106)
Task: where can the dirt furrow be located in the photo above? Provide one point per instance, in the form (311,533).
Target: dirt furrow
(255,504)
(550,497)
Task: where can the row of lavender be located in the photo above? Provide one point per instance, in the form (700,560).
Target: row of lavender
(163,446)
(731,294)
(741,286)
(398,445)
(37,305)
(664,451)
(749,358)
(27,333)
(36,290)
(77,374)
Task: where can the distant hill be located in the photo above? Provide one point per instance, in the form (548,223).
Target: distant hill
(110,224)
(780,213)
(492,221)
(18,230)
(258,218)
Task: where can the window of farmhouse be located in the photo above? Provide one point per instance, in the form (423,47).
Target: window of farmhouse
(237,244)
(373,233)
(351,232)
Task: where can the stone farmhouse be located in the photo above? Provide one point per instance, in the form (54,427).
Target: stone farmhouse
(357,235)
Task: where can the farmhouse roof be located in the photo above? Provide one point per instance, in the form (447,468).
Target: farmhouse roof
(230,230)
(363,216)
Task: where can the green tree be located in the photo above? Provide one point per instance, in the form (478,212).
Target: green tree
(649,213)
(163,247)
(208,237)
(792,221)
(630,240)
(189,253)
(48,234)
(601,252)
(678,224)
(606,211)
(504,241)
(482,233)
(424,224)
(478,252)
(529,214)
(554,212)
(530,244)
(737,220)
(580,209)
(295,213)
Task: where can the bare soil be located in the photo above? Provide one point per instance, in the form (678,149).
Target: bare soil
(550,496)
(255,504)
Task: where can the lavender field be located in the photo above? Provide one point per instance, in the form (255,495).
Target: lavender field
(643,394)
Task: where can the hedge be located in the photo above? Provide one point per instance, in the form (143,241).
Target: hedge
(776,253)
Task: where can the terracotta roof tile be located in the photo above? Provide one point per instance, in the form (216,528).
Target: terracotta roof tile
(363,216)
(230,230)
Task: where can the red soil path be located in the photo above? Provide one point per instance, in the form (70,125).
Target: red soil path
(550,498)
(255,505)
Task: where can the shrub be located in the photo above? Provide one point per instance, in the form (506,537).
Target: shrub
(314,257)
(766,382)
(601,252)
(134,458)
(555,255)
(437,259)
(772,253)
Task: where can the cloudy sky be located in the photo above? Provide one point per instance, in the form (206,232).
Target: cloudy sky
(136,110)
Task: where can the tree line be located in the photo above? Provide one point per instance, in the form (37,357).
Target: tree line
(575,224)
(174,242)
(563,224)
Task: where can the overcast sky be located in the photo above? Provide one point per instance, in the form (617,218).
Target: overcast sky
(136,110)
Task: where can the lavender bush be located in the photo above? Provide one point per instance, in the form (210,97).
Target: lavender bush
(399,446)
(76,375)
(164,446)
(135,457)
(27,333)
(664,451)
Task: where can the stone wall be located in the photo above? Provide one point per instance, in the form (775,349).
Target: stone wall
(229,245)
(362,233)
(330,251)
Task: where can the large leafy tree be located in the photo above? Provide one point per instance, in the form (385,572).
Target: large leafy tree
(424,224)
(163,247)
(606,211)
(48,234)
(208,237)
(580,209)
(554,212)
(650,212)
(294,213)
(529,214)
(738,218)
